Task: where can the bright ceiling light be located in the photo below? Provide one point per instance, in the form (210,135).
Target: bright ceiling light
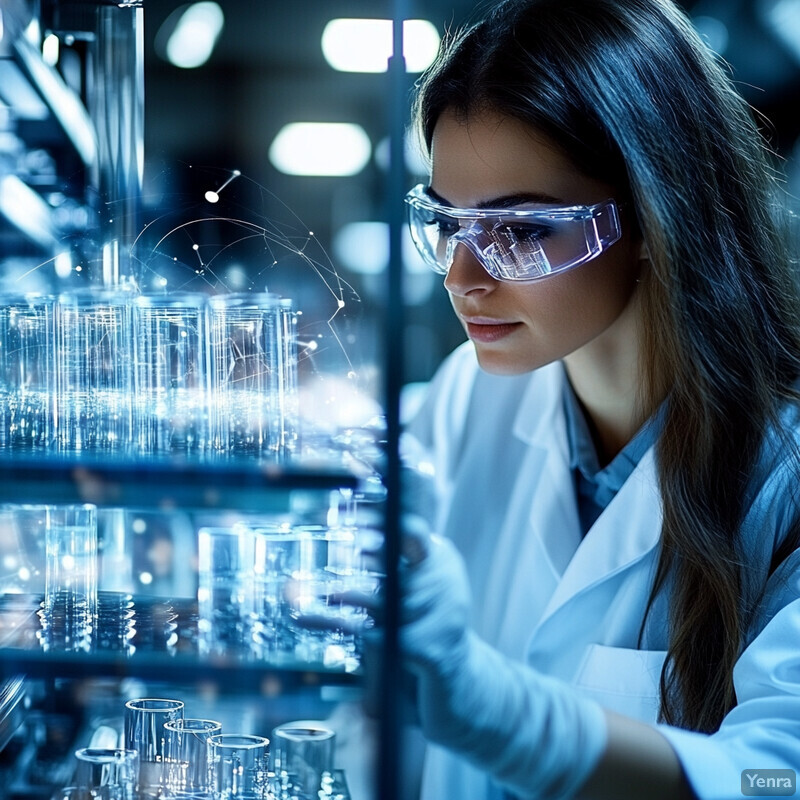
(783,17)
(364,45)
(320,148)
(50,50)
(195,34)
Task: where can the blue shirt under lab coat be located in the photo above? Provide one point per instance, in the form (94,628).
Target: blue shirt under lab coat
(571,605)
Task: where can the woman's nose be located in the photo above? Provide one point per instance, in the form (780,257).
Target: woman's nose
(466,274)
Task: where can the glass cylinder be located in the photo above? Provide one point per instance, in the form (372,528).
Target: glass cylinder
(94,356)
(115,100)
(69,610)
(107,773)
(171,373)
(187,759)
(144,720)
(276,559)
(27,370)
(239,767)
(302,759)
(246,385)
(225,589)
(328,562)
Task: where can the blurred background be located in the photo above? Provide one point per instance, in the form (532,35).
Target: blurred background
(240,192)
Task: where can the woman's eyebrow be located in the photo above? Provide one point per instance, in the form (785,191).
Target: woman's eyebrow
(504,201)
(512,200)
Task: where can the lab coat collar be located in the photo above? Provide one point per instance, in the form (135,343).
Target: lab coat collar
(627,530)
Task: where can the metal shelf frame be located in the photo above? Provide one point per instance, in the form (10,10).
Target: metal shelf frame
(160,484)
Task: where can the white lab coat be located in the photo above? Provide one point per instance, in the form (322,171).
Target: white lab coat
(573,607)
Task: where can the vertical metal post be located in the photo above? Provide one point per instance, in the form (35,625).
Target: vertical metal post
(388,783)
(116,104)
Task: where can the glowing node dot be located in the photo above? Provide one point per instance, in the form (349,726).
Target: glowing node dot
(195,247)
(163,281)
(351,375)
(311,233)
(79,268)
(175,258)
(212,197)
(312,346)
(319,336)
(146,578)
(236,173)
(340,303)
(139,525)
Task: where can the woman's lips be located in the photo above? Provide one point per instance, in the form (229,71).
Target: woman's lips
(488,331)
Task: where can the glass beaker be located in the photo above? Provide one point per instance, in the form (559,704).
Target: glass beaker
(94,357)
(186,755)
(302,759)
(239,766)
(171,373)
(27,370)
(106,773)
(225,589)
(144,720)
(69,610)
(246,377)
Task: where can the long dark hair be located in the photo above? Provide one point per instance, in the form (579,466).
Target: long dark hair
(634,98)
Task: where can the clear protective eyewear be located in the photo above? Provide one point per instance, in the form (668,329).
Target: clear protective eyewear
(512,244)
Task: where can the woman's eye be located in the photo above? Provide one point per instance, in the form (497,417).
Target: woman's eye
(528,233)
(444,225)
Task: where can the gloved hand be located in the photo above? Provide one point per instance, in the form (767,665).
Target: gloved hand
(533,733)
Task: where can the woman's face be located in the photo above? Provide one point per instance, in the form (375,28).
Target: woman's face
(517,327)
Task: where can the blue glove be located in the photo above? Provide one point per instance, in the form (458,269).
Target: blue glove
(534,734)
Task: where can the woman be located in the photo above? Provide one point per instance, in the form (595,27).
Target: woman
(616,447)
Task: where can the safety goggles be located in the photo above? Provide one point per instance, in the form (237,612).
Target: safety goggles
(512,244)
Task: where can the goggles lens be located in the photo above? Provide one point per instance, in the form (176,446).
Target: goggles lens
(512,244)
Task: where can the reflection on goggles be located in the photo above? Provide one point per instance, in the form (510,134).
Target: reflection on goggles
(512,244)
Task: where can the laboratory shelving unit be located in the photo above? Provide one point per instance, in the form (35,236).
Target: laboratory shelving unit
(35,682)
